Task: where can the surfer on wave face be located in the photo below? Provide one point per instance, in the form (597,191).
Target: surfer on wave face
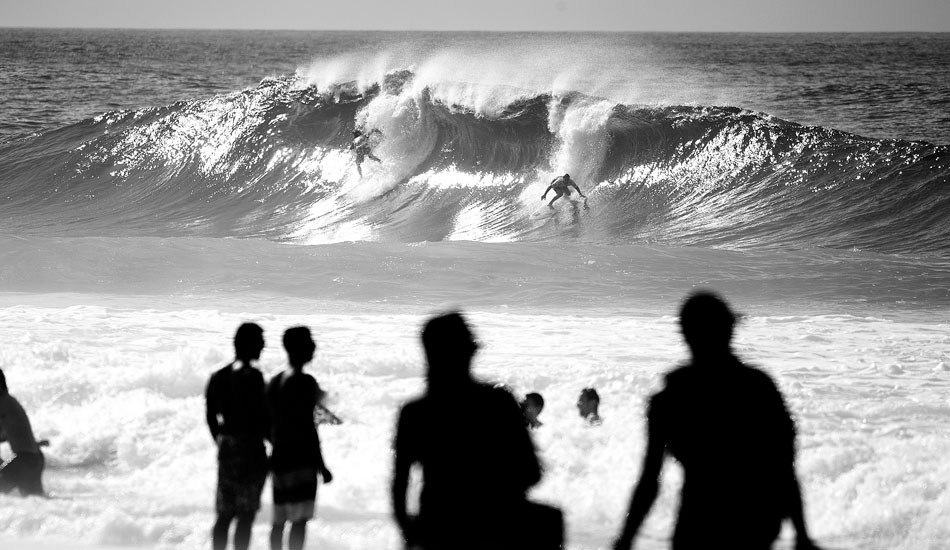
(561,185)
(361,146)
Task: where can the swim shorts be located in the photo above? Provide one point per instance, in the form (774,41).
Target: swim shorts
(242,469)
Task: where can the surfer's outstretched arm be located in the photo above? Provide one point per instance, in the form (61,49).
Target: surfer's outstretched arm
(579,192)
(647,487)
(551,186)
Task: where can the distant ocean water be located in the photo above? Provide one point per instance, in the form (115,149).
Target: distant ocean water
(159,187)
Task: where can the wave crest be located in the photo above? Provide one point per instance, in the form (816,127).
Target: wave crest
(460,162)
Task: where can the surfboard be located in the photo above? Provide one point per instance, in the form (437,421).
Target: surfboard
(323,415)
(543,213)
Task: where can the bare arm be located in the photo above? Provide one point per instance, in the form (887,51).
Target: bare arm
(551,186)
(403,462)
(581,193)
(793,505)
(647,487)
(797,514)
(211,409)
(324,471)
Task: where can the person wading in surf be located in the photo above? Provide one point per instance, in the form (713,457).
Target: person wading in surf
(297,457)
(238,420)
(727,424)
(25,470)
(476,456)
(561,185)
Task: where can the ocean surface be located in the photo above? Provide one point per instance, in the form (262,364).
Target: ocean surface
(157,188)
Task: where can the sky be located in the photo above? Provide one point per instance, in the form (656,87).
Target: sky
(490,15)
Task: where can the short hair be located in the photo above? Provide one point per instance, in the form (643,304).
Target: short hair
(535,398)
(248,340)
(706,318)
(590,393)
(446,338)
(299,344)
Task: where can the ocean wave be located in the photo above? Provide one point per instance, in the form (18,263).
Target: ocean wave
(469,162)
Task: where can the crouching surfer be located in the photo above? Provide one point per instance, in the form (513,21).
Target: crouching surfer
(362,147)
(561,185)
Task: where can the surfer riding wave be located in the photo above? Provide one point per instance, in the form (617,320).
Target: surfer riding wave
(561,185)
(363,148)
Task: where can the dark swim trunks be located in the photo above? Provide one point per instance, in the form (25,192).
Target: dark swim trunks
(24,472)
(242,469)
(295,495)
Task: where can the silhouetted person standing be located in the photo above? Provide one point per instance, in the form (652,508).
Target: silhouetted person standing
(25,470)
(237,418)
(727,424)
(476,455)
(297,458)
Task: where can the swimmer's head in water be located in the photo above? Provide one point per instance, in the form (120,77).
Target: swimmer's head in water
(587,402)
(532,406)
(535,400)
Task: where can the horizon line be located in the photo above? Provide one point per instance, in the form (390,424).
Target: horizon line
(496,31)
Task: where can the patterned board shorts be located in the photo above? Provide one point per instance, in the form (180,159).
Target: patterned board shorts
(295,495)
(242,469)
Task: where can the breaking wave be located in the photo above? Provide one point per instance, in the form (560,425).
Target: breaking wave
(469,162)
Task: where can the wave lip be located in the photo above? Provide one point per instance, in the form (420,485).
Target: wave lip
(273,162)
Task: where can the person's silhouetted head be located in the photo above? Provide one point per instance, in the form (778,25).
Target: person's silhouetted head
(299,345)
(248,342)
(449,347)
(588,402)
(567,176)
(707,324)
(3,384)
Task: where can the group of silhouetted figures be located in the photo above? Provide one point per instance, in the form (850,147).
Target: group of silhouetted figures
(726,423)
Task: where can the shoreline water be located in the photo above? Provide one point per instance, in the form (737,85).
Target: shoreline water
(118,391)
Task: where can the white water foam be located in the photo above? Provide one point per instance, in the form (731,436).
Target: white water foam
(119,393)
